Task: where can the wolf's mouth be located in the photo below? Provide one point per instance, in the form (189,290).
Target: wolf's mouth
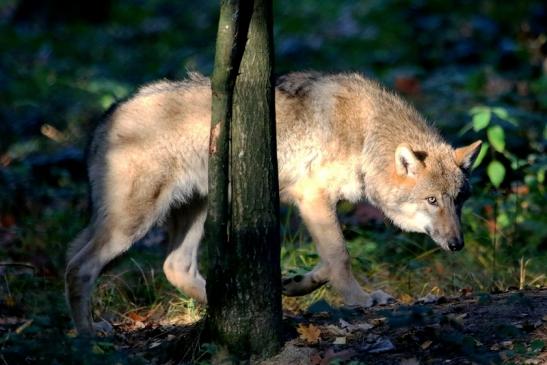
(453,244)
(449,245)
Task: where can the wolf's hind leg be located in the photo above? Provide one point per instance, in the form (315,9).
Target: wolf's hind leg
(185,227)
(85,265)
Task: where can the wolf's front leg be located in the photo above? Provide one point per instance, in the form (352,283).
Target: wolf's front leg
(319,215)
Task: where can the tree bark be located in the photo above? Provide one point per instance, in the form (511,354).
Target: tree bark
(244,276)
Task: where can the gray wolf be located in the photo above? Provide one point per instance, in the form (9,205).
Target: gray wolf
(339,137)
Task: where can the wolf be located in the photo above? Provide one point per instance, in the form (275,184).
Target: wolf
(339,137)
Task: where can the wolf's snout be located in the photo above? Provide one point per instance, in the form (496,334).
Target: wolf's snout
(455,244)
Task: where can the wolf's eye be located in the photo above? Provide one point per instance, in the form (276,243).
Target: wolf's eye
(432,200)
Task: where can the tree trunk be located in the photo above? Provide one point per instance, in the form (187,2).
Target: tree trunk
(244,276)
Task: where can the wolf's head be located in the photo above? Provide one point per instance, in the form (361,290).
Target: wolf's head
(432,189)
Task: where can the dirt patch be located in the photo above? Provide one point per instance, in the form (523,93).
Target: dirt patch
(474,328)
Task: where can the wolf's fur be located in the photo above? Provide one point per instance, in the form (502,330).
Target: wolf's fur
(338,137)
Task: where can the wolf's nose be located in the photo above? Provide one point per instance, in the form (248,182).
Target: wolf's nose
(455,244)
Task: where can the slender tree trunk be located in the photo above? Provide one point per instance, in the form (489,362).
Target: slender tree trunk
(231,38)
(244,276)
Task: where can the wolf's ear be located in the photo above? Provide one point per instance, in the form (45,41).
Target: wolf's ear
(406,161)
(465,156)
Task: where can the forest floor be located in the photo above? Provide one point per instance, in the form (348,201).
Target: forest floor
(508,327)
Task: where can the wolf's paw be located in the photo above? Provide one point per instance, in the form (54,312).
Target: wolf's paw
(358,300)
(380,297)
(293,286)
(102,328)
(300,285)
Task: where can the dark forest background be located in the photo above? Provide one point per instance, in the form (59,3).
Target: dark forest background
(477,69)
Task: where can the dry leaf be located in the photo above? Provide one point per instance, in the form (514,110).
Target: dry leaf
(364,326)
(405,299)
(315,358)
(348,327)
(345,324)
(23,327)
(411,361)
(136,317)
(456,320)
(309,333)
(428,299)
(139,325)
(381,345)
(336,331)
(343,355)
(154,344)
(466,291)
(426,345)
(339,341)
(378,321)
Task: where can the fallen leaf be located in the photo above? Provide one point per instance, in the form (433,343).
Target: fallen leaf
(336,331)
(411,361)
(136,317)
(380,345)
(331,356)
(139,325)
(405,299)
(466,291)
(309,333)
(378,321)
(315,358)
(348,327)
(154,344)
(156,313)
(339,341)
(456,320)
(364,326)
(24,326)
(426,345)
(344,324)
(430,299)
